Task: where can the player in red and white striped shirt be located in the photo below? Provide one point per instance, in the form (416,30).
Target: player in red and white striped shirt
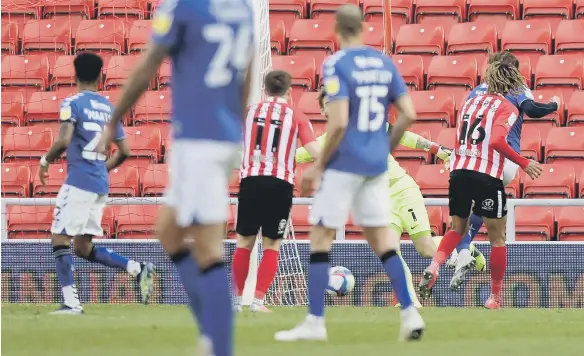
(272,130)
(477,174)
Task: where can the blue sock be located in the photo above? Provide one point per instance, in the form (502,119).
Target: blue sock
(397,275)
(216,311)
(188,271)
(107,257)
(64,264)
(475,225)
(317,282)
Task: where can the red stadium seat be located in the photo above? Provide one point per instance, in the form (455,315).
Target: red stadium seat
(136,221)
(447,137)
(63,73)
(315,38)
(531,143)
(15,180)
(129,10)
(155,180)
(139,36)
(153,106)
(569,40)
(527,39)
(580,181)
(524,69)
(71,10)
(562,74)
(277,37)
(12,109)
(575,109)
(287,11)
(533,223)
(554,11)
(570,223)
(230,233)
(440,12)
(164,75)
(9,38)
(424,40)
(57,176)
(579,9)
(434,107)
(309,105)
(433,180)
(321,9)
(401,12)
(436,220)
(472,39)
(456,74)
(374,35)
(43,107)
(20,11)
(25,73)
(101,36)
(303,72)
(556,181)
(124,182)
(565,145)
(145,143)
(29,222)
(300,221)
(46,36)
(234,183)
(403,153)
(554,119)
(118,71)
(493,12)
(513,188)
(412,70)
(26,143)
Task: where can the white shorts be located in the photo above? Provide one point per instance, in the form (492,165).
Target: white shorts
(509,171)
(78,212)
(341,193)
(198,188)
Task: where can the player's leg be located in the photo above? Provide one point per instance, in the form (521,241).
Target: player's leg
(204,215)
(70,218)
(274,227)
(395,235)
(495,219)
(371,213)
(249,209)
(330,210)
(460,201)
(84,248)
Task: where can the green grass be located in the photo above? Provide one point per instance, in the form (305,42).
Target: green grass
(112,330)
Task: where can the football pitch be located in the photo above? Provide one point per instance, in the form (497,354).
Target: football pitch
(124,330)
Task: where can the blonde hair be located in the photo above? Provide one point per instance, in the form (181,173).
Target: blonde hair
(503,78)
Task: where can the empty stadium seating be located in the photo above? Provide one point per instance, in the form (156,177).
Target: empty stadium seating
(434,42)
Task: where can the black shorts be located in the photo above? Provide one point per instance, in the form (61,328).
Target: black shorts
(264,202)
(488,194)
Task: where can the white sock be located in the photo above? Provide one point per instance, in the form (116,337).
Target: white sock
(258,301)
(70,296)
(236,300)
(133,268)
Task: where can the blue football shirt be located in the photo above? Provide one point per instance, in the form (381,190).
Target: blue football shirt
(89,112)
(514,137)
(211,44)
(370,82)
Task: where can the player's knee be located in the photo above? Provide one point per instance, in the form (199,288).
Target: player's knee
(246,242)
(83,247)
(424,244)
(271,244)
(60,240)
(321,238)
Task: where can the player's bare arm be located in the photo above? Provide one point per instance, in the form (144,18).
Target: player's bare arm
(57,149)
(119,156)
(313,149)
(406,117)
(413,140)
(136,85)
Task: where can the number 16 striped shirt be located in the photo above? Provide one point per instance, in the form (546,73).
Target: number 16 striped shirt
(272,129)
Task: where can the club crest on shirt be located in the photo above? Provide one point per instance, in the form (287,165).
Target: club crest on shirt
(65,113)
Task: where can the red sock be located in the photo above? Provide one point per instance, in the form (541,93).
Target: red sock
(266,272)
(239,269)
(447,245)
(498,267)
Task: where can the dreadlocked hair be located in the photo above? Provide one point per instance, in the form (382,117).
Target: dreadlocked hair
(503,78)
